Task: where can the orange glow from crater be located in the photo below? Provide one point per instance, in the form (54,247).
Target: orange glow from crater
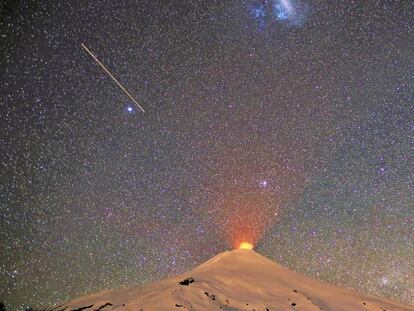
(245,245)
(244,216)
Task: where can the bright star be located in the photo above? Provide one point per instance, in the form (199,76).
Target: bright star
(263,183)
(130,109)
(384,280)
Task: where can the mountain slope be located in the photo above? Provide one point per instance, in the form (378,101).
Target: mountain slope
(235,280)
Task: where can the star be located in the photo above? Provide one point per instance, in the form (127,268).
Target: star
(263,183)
(384,280)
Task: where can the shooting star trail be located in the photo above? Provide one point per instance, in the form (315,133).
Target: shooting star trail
(112,77)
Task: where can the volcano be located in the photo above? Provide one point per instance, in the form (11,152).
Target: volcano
(234,280)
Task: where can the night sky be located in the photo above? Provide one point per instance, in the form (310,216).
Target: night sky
(285,123)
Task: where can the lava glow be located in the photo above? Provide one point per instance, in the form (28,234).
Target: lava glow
(244,216)
(245,245)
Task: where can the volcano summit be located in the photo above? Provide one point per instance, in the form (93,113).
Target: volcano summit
(234,280)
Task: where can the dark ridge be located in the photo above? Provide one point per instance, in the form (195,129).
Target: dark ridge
(179,306)
(103,306)
(295,291)
(187,281)
(83,308)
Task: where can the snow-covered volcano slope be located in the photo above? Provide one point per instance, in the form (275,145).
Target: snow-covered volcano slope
(235,280)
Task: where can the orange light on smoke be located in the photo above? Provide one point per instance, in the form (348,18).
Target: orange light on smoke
(245,245)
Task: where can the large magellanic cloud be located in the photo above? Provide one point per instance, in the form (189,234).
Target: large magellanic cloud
(270,12)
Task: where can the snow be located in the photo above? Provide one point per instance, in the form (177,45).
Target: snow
(234,280)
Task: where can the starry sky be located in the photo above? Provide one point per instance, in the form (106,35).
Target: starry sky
(287,123)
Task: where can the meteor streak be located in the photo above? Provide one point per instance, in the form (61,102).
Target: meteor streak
(112,77)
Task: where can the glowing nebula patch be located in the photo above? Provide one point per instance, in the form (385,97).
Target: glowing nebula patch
(289,12)
(258,12)
(282,10)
